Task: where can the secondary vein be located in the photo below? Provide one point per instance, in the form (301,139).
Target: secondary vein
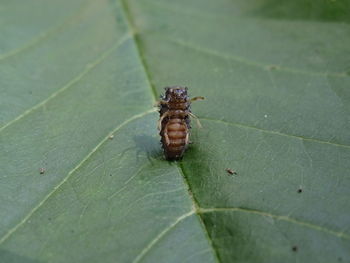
(275,132)
(276,217)
(71,83)
(25,219)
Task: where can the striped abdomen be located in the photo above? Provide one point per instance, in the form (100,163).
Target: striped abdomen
(175,137)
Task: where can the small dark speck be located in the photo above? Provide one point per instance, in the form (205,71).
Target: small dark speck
(49,218)
(110,175)
(300,190)
(42,170)
(272,67)
(340,259)
(230,171)
(72,231)
(295,248)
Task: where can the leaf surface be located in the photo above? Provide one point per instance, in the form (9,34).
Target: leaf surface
(275,75)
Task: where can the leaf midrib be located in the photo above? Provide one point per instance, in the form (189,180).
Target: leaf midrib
(236,57)
(133,31)
(134,36)
(197,210)
(70,84)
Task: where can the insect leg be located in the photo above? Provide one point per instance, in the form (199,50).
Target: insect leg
(160,102)
(197,98)
(161,119)
(197,120)
(187,138)
(167,141)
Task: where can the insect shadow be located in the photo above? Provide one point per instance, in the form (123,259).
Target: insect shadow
(148,145)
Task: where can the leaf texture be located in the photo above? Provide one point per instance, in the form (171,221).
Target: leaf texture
(275,75)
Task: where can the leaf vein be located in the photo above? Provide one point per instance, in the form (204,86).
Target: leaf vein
(254,63)
(131,26)
(71,83)
(161,235)
(276,217)
(106,138)
(241,125)
(153,91)
(42,36)
(197,209)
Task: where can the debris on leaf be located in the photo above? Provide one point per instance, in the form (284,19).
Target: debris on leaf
(230,171)
(42,170)
(272,67)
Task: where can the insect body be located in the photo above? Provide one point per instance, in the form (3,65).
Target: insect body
(174,122)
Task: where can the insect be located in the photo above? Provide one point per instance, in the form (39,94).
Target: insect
(174,122)
(230,171)
(42,170)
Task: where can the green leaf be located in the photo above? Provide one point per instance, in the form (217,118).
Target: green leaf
(275,75)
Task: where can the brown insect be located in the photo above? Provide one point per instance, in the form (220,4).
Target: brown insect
(174,122)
